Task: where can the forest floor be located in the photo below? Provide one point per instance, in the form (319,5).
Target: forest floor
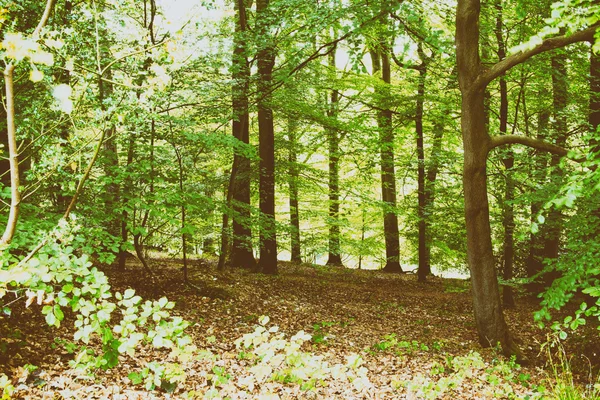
(414,340)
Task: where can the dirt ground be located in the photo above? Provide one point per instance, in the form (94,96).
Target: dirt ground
(345,311)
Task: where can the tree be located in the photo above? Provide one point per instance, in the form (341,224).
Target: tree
(380,58)
(266,137)
(11,133)
(473,80)
(294,176)
(241,171)
(333,143)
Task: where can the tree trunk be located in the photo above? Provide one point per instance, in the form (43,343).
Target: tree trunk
(242,255)
(489,318)
(266,137)
(13,157)
(381,68)
(225,245)
(424,268)
(508,222)
(208,242)
(127,187)
(294,176)
(429,193)
(552,226)
(333,140)
(594,117)
(110,160)
(534,263)
(473,79)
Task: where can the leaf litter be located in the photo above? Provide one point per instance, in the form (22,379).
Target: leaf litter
(368,335)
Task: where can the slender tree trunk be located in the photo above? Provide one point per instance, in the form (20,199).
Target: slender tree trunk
(266,138)
(381,68)
(138,240)
(208,242)
(127,187)
(552,226)
(13,157)
(225,248)
(429,193)
(294,176)
(508,222)
(333,140)
(110,160)
(241,252)
(534,264)
(183,222)
(594,117)
(424,268)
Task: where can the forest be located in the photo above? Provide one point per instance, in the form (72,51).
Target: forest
(291,199)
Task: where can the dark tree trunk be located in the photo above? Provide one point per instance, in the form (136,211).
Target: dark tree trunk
(508,221)
(266,138)
(594,118)
(424,268)
(127,187)
(241,251)
(552,226)
(110,161)
(381,68)
(534,264)
(208,242)
(333,140)
(429,193)
(473,80)
(489,318)
(225,243)
(294,176)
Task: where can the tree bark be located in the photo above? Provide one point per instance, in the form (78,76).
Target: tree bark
(534,263)
(266,137)
(381,69)
(225,245)
(294,176)
(491,326)
(429,192)
(508,160)
(333,143)
(473,80)
(242,255)
(13,157)
(594,117)
(552,226)
(424,268)
(110,158)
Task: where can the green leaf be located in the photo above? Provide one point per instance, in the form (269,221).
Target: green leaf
(534,228)
(136,378)
(51,319)
(58,313)
(562,335)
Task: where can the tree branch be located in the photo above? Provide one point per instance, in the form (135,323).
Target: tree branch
(44,19)
(504,140)
(501,67)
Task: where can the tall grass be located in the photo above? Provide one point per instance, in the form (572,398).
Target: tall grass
(562,385)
